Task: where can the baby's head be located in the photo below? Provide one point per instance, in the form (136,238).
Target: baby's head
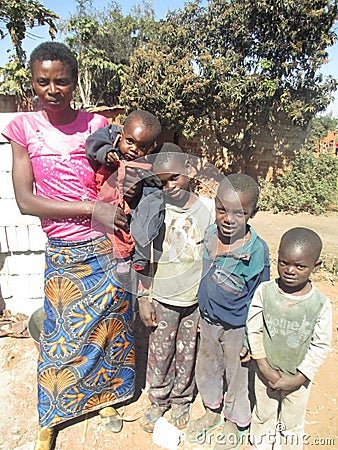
(171,166)
(140,131)
(298,256)
(236,202)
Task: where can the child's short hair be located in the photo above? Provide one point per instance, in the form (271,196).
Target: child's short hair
(55,51)
(163,153)
(240,182)
(303,238)
(148,119)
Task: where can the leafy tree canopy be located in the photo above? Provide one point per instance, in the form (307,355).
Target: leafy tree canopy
(247,61)
(16,16)
(320,126)
(104,41)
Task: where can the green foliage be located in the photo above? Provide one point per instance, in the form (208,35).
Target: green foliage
(229,63)
(320,126)
(17,80)
(104,41)
(308,185)
(17,16)
(249,60)
(166,85)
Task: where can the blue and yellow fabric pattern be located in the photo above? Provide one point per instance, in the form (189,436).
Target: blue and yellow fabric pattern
(87,358)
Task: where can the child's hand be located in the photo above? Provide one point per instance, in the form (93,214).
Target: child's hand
(288,382)
(147,312)
(132,187)
(112,157)
(245,355)
(270,374)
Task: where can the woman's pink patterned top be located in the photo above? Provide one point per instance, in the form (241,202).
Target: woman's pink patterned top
(60,167)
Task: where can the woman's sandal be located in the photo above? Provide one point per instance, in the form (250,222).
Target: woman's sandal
(45,439)
(111,419)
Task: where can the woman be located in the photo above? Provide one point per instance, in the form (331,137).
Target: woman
(86,360)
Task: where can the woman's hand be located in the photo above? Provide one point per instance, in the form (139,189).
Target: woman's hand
(110,216)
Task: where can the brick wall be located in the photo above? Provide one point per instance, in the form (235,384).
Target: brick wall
(8,103)
(271,152)
(22,243)
(273,149)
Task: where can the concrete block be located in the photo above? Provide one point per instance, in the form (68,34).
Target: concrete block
(20,286)
(36,285)
(3,240)
(6,288)
(38,264)
(11,213)
(37,238)
(6,186)
(25,264)
(23,305)
(11,239)
(6,157)
(19,238)
(22,238)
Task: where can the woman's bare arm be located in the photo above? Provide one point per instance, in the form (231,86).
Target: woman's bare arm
(37,205)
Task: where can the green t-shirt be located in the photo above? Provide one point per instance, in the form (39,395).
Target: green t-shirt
(289,323)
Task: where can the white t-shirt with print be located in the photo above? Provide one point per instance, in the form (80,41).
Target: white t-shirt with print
(180,266)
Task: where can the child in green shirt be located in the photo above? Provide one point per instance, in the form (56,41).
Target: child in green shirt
(289,330)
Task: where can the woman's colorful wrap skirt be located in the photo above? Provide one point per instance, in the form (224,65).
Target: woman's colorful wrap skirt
(87,357)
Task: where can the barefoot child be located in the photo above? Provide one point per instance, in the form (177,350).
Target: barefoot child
(289,330)
(235,262)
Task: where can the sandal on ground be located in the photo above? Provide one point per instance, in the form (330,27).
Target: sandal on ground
(180,417)
(197,430)
(151,416)
(45,439)
(13,325)
(111,419)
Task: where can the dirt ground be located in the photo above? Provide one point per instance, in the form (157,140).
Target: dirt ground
(18,364)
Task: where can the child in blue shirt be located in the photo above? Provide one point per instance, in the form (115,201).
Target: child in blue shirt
(235,262)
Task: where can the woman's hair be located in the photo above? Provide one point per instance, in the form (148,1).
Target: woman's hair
(55,51)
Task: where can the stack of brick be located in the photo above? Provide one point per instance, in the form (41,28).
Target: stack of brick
(22,243)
